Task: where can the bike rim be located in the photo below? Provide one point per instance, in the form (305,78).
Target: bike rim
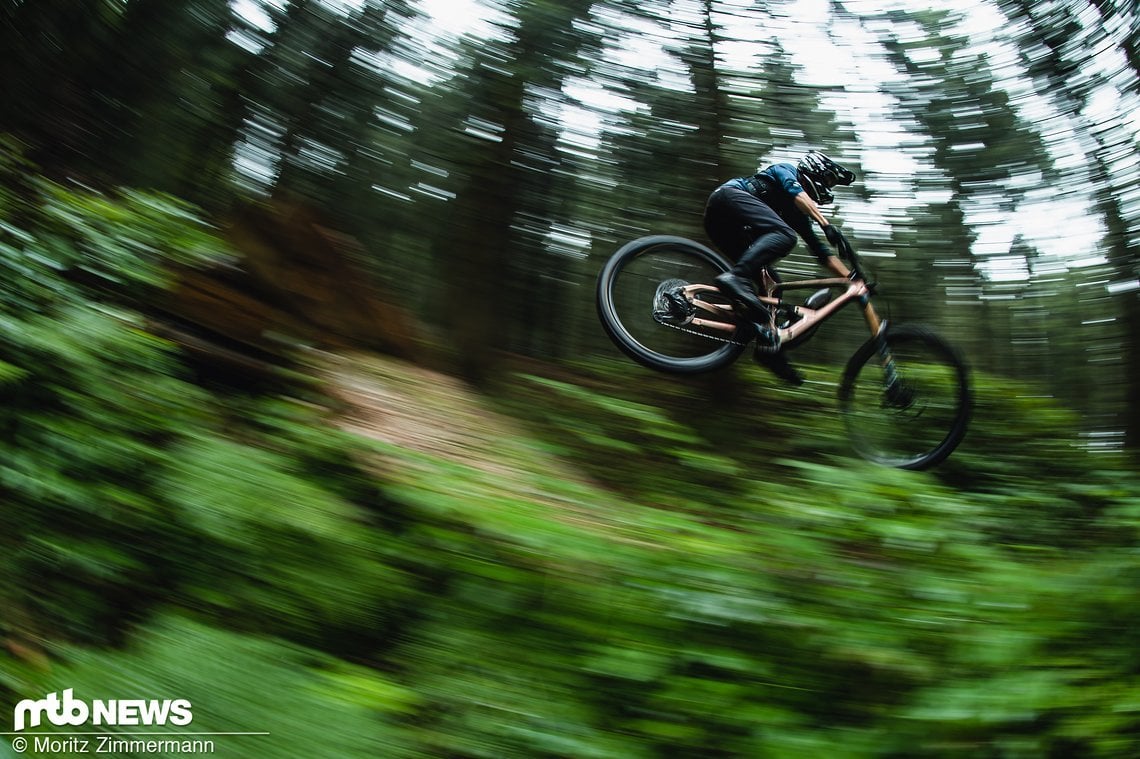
(633,290)
(909,412)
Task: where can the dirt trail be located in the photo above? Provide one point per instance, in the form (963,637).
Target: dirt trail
(433,414)
(417,409)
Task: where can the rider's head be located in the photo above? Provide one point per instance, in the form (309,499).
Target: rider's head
(818,174)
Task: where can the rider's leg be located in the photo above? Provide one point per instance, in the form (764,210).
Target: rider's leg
(755,236)
(752,234)
(738,283)
(765,251)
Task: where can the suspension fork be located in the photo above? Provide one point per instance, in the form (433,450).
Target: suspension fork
(878,327)
(876,324)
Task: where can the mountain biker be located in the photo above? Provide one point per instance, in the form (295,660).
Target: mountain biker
(754,220)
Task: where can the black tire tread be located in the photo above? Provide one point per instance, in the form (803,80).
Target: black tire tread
(718,357)
(905,333)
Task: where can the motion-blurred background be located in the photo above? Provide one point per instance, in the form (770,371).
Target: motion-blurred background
(307,416)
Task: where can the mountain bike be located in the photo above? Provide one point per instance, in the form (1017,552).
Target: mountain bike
(904,395)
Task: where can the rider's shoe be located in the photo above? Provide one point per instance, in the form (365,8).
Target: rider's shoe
(777,363)
(741,293)
(767,353)
(767,339)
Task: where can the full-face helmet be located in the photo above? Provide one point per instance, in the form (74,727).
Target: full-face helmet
(818,174)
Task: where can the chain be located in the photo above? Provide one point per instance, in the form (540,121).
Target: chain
(679,328)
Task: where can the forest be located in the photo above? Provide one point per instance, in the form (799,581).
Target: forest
(309,420)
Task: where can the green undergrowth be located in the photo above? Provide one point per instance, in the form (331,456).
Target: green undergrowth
(628,566)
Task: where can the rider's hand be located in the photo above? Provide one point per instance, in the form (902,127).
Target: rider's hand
(834,236)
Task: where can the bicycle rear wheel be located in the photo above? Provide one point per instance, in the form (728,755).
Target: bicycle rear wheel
(905,398)
(641,309)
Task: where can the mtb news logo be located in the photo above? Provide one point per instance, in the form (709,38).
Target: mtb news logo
(70,711)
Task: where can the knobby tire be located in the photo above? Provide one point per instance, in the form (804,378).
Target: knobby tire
(625,312)
(927,418)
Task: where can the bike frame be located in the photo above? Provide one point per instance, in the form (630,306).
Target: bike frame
(855,288)
(724,319)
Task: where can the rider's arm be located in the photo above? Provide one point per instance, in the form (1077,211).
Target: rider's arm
(837,266)
(785,175)
(811,210)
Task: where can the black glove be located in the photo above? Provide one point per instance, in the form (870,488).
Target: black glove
(834,236)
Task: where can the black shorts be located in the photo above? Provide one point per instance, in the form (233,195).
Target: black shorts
(735,219)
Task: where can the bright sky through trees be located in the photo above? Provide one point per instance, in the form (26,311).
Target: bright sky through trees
(845,57)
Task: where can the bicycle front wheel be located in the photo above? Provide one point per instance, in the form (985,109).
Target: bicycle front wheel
(905,398)
(641,309)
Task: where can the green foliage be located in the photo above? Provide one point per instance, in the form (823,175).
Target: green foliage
(130,241)
(631,439)
(90,398)
(844,609)
(94,402)
(289,556)
(725,580)
(642,572)
(302,701)
(58,244)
